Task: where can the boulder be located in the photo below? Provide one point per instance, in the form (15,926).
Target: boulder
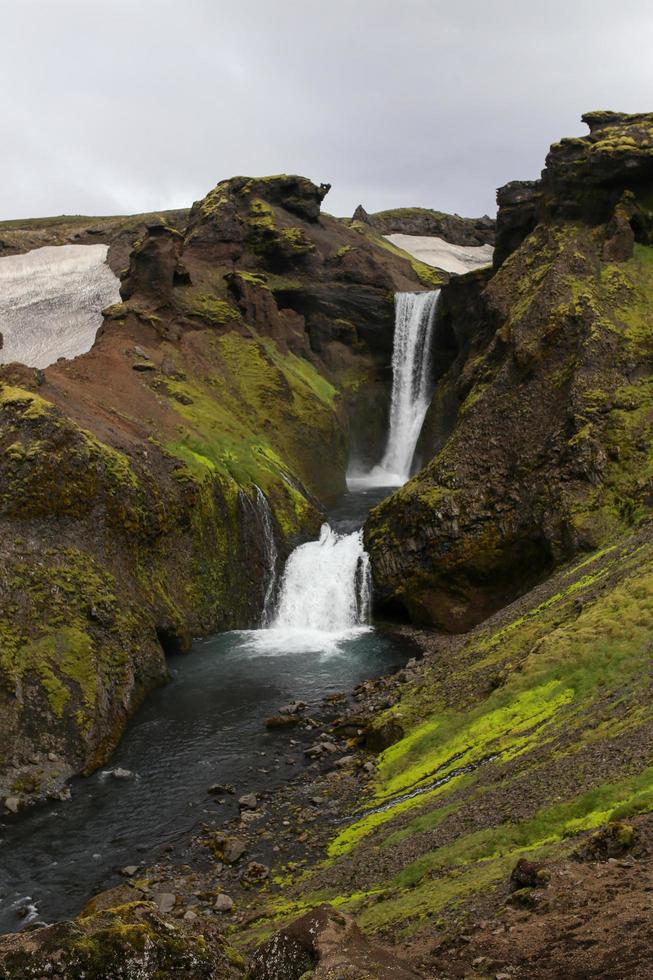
(528,874)
(223,903)
(612,841)
(254,874)
(248,801)
(325,944)
(130,940)
(165,901)
(282,721)
(233,850)
(216,789)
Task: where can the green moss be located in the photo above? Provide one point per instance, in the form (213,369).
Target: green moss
(254,420)
(295,241)
(213,309)
(450,743)
(259,279)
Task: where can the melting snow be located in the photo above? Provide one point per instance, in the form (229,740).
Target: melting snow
(51,301)
(435,251)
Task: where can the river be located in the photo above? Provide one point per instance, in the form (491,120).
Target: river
(206,726)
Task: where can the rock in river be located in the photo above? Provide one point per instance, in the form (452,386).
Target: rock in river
(248,801)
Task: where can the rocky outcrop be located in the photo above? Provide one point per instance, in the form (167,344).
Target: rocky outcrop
(325,944)
(424,221)
(544,444)
(247,339)
(121,943)
(602,178)
(119,233)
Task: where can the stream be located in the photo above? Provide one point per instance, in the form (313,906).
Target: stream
(206,726)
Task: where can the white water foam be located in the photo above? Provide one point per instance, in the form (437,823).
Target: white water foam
(51,301)
(324,598)
(411,389)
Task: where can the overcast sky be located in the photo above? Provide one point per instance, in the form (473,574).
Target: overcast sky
(118,106)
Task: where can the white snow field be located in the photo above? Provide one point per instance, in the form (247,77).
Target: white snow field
(435,251)
(51,301)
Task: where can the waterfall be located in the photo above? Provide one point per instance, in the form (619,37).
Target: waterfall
(325,595)
(411,388)
(270,554)
(326,584)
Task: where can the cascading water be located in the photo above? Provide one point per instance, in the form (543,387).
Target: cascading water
(325,595)
(411,388)
(270,554)
(411,362)
(326,584)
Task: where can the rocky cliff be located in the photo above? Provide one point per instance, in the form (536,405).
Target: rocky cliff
(424,221)
(249,350)
(541,420)
(488,811)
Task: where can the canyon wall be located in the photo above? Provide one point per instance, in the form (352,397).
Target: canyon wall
(541,420)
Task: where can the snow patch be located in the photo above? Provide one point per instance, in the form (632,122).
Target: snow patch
(443,255)
(51,302)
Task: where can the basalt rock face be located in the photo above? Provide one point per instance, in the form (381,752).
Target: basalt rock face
(602,178)
(247,339)
(424,221)
(544,450)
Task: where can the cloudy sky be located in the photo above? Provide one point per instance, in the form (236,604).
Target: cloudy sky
(117,106)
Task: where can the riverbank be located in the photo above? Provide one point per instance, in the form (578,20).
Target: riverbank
(244,877)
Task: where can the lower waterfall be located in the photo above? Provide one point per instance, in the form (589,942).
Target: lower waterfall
(411,388)
(325,594)
(326,584)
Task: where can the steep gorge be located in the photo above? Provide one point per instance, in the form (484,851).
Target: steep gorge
(528,531)
(541,416)
(248,352)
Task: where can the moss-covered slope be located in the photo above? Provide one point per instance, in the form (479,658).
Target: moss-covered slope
(532,731)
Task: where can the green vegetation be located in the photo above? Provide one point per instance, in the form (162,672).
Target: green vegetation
(507,769)
(247,422)
(212,309)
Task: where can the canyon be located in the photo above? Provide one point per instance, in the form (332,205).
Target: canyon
(169,478)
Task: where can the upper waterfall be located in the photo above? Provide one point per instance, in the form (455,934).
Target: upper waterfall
(411,387)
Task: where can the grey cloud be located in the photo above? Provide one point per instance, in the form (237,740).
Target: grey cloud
(113,106)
